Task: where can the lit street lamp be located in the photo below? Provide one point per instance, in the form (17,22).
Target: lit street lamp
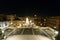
(3,34)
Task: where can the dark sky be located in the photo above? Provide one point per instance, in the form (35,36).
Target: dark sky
(29,8)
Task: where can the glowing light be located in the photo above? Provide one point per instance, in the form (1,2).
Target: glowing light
(2,31)
(56,32)
(11,23)
(27,21)
(54,26)
(35,15)
(20,25)
(30,21)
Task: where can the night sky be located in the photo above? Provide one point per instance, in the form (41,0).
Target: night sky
(30,8)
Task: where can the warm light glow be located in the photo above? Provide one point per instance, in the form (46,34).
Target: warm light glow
(54,26)
(30,21)
(2,31)
(56,32)
(11,23)
(27,21)
(20,25)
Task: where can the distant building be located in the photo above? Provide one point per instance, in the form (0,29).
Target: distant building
(11,17)
(54,21)
(5,20)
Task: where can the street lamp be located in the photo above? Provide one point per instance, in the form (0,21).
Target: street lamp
(2,31)
(3,34)
(35,15)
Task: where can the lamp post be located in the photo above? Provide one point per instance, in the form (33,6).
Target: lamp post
(2,29)
(3,34)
